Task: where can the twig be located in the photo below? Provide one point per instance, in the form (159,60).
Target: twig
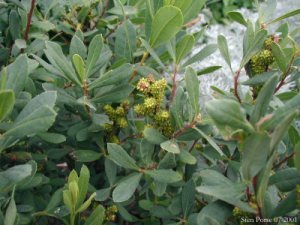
(113,30)
(193,22)
(236,83)
(105,8)
(145,56)
(282,82)
(185,128)
(283,160)
(254,183)
(29,17)
(193,145)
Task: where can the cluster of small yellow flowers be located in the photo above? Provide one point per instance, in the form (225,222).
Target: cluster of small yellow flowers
(261,61)
(243,217)
(111,213)
(118,117)
(153,93)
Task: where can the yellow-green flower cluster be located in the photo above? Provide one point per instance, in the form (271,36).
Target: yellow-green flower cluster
(261,61)
(153,93)
(111,213)
(118,117)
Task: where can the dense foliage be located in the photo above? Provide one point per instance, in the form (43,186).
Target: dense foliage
(100,117)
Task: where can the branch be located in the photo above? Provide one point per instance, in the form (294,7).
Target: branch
(185,128)
(104,8)
(235,85)
(283,160)
(282,82)
(29,17)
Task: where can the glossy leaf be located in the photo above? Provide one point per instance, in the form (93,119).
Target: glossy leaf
(170,146)
(183,47)
(125,44)
(166,23)
(192,86)
(255,154)
(121,157)
(7,101)
(164,176)
(126,187)
(223,47)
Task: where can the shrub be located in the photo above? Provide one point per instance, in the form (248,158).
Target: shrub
(107,88)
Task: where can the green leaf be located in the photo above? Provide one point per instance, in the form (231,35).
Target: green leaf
(187,158)
(287,15)
(170,146)
(280,113)
(17,74)
(11,212)
(264,181)
(177,107)
(202,54)
(286,205)
(297,156)
(254,46)
(77,47)
(39,121)
(280,57)
(183,47)
(166,23)
(7,101)
(263,99)
(152,52)
(54,138)
(255,154)
(15,25)
(79,66)
(86,155)
(47,98)
(55,55)
(115,94)
(83,184)
(125,44)
(189,8)
(223,47)
(216,185)
(97,217)
(215,213)
(237,17)
(94,52)
(14,176)
(126,187)
(192,86)
(115,76)
(117,154)
(146,151)
(86,204)
(228,116)
(208,70)
(282,127)
(286,179)
(153,136)
(261,79)
(164,176)
(55,200)
(210,141)
(188,198)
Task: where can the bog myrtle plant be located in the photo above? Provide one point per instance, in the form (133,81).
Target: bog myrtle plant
(100,121)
